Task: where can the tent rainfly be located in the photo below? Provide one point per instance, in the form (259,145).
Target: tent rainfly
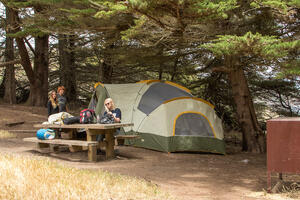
(166,116)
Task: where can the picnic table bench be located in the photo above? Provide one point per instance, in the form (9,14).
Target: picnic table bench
(92,130)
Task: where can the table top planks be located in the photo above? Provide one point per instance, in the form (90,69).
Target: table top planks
(86,126)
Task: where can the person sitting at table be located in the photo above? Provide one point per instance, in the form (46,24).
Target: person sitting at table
(52,104)
(110,109)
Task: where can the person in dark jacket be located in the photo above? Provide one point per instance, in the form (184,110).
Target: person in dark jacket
(52,104)
(112,110)
(61,98)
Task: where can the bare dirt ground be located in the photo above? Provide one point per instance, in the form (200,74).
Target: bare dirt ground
(189,176)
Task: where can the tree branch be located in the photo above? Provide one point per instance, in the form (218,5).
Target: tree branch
(4,64)
(31,48)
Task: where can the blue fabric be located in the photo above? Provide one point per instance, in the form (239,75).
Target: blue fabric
(45,134)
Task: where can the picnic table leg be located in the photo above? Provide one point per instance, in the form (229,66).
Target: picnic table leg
(53,148)
(71,133)
(92,152)
(42,145)
(110,143)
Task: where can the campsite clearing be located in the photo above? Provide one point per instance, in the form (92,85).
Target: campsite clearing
(189,176)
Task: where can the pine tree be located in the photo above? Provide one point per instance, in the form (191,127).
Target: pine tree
(198,23)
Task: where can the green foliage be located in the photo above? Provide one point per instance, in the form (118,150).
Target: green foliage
(140,4)
(75,15)
(268,47)
(45,2)
(19,4)
(214,9)
(295,3)
(202,10)
(108,9)
(290,69)
(54,15)
(157,12)
(160,19)
(34,31)
(134,30)
(79,12)
(31,3)
(280,94)
(279,5)
(254,4)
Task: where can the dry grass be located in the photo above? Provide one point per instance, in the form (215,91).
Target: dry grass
(6,134)
(292,190)
(278,196)
(38,178)
(288,191)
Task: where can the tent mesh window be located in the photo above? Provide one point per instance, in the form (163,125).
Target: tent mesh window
(158,93)
(193,124)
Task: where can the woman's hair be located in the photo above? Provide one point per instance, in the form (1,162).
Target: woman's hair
(53,101)
(112,103)
(61,88)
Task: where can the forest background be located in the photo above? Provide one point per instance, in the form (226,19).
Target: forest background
(240,55)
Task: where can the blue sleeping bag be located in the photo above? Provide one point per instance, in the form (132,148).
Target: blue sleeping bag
(45,134)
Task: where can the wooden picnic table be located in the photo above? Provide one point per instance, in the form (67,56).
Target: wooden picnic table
(92,130)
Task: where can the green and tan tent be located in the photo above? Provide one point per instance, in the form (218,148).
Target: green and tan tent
(166,116)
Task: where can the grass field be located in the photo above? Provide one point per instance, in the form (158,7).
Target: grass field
(6,134)
(24,177)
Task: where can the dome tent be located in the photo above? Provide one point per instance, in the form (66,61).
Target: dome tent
(166,116)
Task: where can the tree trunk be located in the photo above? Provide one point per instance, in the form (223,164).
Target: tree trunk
(67,66)
(107,65)
(161,63)
(107,73)
(38,78)
(253,137)
(175,66)
(160,72)
(10,84)
(39,90)
(2,86)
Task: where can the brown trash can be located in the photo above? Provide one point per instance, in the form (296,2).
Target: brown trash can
(283,147)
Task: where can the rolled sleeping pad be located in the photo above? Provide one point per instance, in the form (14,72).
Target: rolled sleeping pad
(45,134)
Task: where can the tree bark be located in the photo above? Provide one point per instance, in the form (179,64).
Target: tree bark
(161,64)
(160,72)
(67,66)
(253,137)
(38,78)
(10,84)
(12,62)
(175,66)
(39,89)
(107,66)
(107,71)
